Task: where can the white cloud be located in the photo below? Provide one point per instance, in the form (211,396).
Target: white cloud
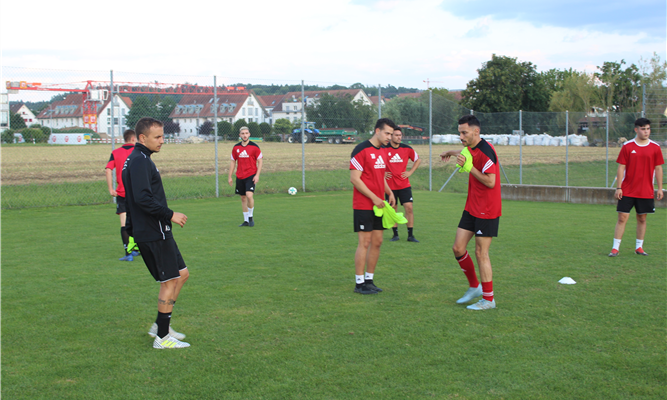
(388,42)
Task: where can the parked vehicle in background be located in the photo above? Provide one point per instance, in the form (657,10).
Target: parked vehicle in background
(328,135)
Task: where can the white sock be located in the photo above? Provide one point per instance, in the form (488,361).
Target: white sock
(245,216)
(639,244)
(250,211)
(617,244)
(369,276)
(359,279)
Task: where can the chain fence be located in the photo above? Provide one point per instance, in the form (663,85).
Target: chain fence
(306,133)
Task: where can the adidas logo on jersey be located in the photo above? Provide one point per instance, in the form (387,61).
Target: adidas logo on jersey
(633,152)
(479,232)
(396,159)
(244,154)
(379,164)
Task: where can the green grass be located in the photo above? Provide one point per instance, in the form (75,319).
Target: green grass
(197,187)
(270,311)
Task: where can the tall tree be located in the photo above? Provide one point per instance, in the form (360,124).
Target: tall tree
(621,88)
(225,129)
(282,126)
(341,112)
(253,127)
(141,107)
(206,128)
(16,121)
(265,129)
(504,85)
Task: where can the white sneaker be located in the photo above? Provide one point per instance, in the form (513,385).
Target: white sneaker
(172,333)
(483,305)
(470,294)
(169,342)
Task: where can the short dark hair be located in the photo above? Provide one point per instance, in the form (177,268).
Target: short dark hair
(398,128)
(128,135)
(469,119)
(642,122)
(145,124)
(385,122)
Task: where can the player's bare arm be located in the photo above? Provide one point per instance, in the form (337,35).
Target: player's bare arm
(232,164)
(415,165)
(446,155)
(179,218)
(259,170)
(355,178)
(619,180)
(658,177)
(109,174)
(488,180)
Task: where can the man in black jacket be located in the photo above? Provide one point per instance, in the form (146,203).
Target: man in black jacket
(149,221)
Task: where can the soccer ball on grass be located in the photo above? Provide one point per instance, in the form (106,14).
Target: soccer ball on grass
(291,191)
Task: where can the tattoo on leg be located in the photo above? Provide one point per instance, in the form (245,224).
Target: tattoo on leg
(171,302)
(160,301)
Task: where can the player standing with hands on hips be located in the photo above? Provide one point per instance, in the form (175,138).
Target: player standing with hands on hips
(249,158)
(149,221)
(639,165)
(398,176)
(367,174)
(482,212)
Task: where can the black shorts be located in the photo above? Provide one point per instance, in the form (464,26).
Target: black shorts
(642,206)
(404,195)
(481,227)
(366,221)
(245,185)
(120,205)
(162,258)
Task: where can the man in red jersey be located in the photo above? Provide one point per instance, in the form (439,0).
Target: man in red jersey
(481,215)
(116,162)
(397,177)
(249,158)
(367,174)
(639,166)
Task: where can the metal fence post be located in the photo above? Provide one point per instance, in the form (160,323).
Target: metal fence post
(430,139)
(379,101)
(520,148)
(644,101)
(113,139)
(606,145)
(567,126)
(303,134)
(215,131)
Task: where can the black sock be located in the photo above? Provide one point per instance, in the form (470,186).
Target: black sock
(163,320)
(126,238)
(395,231)
(409,231)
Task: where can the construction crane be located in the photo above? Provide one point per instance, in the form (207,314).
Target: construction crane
(97,92)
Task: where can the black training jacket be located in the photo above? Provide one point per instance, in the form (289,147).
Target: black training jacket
(148,217)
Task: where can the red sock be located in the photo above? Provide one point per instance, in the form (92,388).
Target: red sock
(487,291)
(469,269)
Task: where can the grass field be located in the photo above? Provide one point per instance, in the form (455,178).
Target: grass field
(270,311)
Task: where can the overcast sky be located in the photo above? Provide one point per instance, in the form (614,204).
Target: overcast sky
(338,41)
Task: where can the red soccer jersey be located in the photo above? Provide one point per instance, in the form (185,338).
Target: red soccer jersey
(398,163)
(640,163)
(117,160)
(482,201)
(370,160)
(246,157)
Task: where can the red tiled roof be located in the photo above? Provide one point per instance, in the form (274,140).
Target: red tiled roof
(70,107)
(15,107)
(271,100)
(206,101)
(374,99)
(411,95)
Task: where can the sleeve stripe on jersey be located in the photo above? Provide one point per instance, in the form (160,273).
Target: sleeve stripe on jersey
(356,164)
(488,165)
(260,155)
